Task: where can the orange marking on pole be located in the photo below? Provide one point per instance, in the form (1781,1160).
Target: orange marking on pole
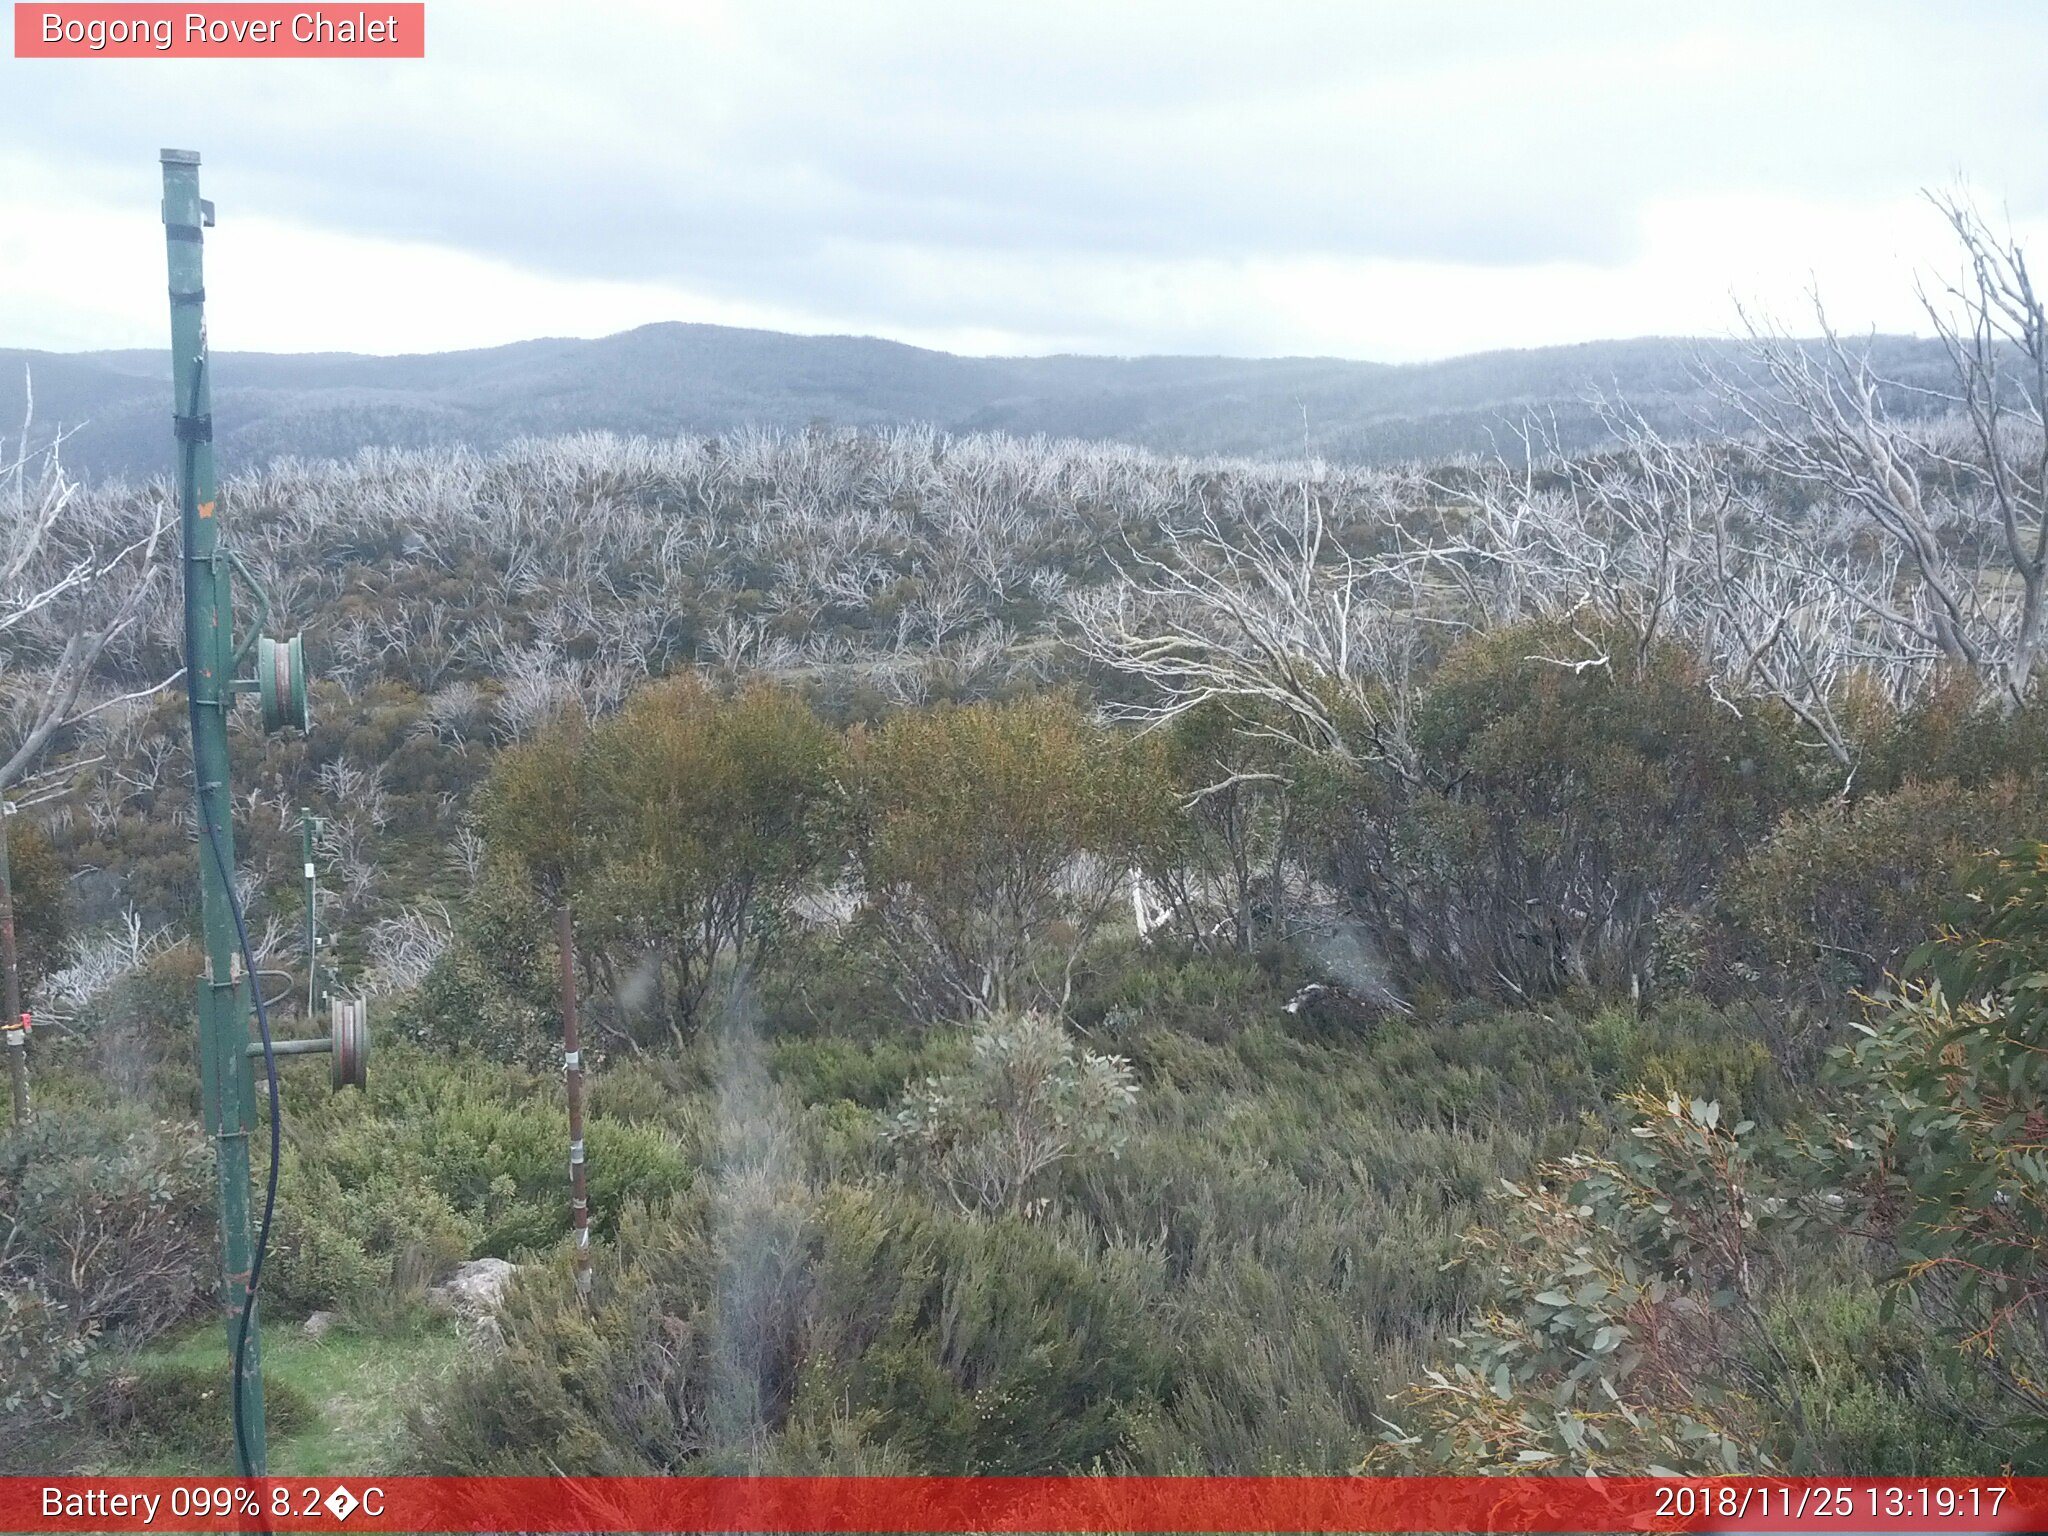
(206,509)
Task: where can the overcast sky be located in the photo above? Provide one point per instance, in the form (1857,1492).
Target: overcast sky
(1358,179)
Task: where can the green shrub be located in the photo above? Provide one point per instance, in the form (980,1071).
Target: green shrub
(133,1040)
(1951,733)
(41,919)
(1130,988)
(113,1213)
(1622,1292)
(346,1240)
(441,1161)
(683,829)
(1217,863)
(1688,1300)
(1839,896)
(1553,813)
(1026,1102)
(1874,1395)
(46,1355)
(976,1346)
(1934,1143)
(993,841)
(725,1327)
(645,1090)
(828,982)
(496,989)
(826,1069)
(184,1412)
(1686,1046)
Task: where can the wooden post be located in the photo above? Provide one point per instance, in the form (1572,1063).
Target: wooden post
(308,825)
(10,988)
(572,1072)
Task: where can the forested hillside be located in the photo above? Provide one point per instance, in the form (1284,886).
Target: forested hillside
(662,380)
(1089,960)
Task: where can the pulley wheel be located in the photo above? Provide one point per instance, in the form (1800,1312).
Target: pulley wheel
(281,683)
(349,1032)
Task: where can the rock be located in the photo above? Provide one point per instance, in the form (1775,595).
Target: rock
(1312,990)
(319,1324)
(1349,957)
(475,1289)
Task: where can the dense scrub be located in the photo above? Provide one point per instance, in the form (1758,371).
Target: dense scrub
(981,1084)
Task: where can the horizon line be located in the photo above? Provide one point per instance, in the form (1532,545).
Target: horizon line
(1669,338)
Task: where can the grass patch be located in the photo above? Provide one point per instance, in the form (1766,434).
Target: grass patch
(347,1392)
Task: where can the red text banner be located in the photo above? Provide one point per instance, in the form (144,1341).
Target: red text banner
(964,1504)
(219,31)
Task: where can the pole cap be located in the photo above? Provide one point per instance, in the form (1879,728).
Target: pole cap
(179,156)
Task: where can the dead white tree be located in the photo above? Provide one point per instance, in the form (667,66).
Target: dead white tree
(97,960)
(405,947)
(358,789)
(452,713)
(69,587)
(71,583)
(1269,616)
(1655,541)
(1963,514)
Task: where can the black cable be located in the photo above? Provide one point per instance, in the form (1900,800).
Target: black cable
(241,1350)
(240,1353)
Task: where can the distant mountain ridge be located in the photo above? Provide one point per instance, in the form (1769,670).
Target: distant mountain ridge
(671,378)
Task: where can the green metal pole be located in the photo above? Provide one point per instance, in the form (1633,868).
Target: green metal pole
(227,1079)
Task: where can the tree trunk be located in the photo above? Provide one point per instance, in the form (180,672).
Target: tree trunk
(10,978)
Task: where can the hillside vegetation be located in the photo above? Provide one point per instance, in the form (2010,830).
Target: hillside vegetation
(661,380)
(1095,961)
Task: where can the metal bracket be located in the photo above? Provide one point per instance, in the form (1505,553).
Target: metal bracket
(241,568)
(347,1041)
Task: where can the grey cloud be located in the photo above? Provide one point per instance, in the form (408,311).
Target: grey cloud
(780,153)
